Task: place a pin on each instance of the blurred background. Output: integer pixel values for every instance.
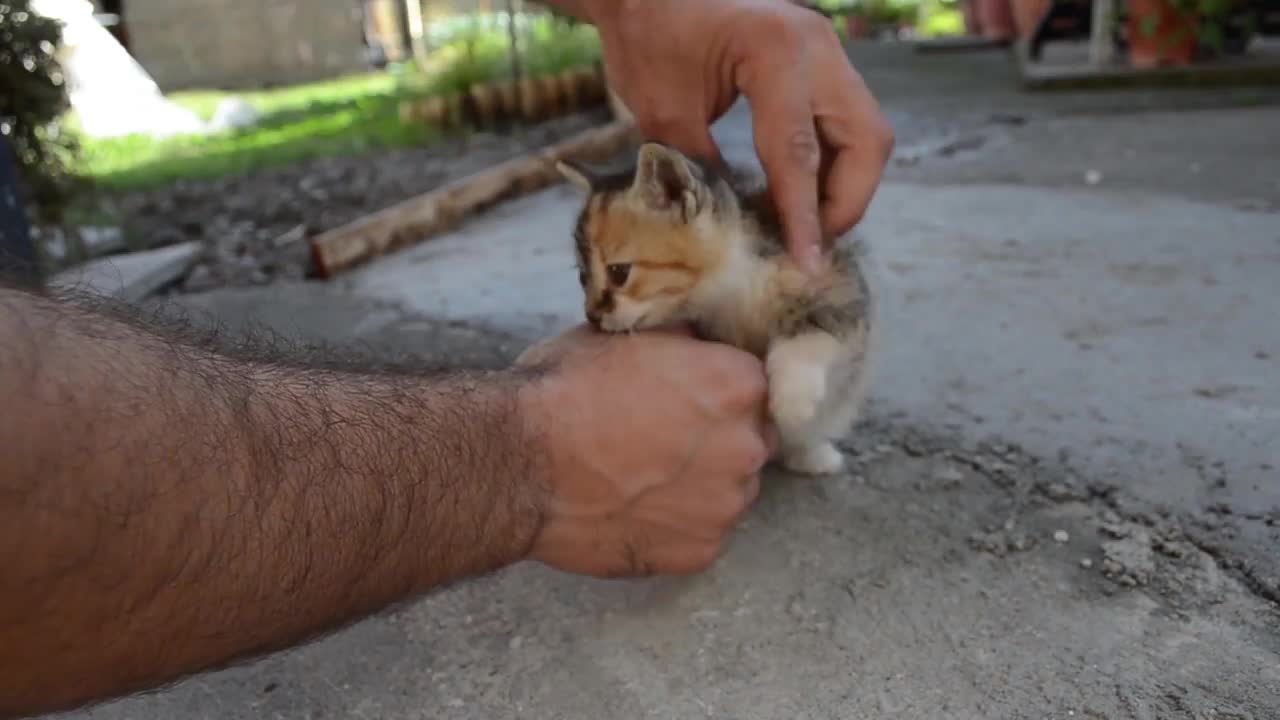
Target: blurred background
(250, 126)
(142, 123)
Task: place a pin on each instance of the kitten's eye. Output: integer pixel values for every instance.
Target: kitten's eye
(582, 278)
(618, 274)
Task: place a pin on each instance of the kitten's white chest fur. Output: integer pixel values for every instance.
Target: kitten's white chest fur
(815, 376)
(733, 303)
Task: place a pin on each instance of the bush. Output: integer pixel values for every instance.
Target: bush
(552, 45)
(476, 48)
(33, 98)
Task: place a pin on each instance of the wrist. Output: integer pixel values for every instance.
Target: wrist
(535, 398)
(507, 427)
(442, 470)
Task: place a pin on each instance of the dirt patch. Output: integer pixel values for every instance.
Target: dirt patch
(255, 226)
(1125, 546)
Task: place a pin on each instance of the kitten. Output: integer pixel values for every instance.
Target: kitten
(670, 240)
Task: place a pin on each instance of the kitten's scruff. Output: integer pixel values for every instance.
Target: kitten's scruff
(670, 240)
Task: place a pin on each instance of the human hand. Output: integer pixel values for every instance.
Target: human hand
(653, 444)
(819, 133)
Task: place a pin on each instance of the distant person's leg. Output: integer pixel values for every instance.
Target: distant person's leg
(18, 261)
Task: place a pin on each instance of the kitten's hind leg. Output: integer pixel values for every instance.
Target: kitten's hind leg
(799, 368)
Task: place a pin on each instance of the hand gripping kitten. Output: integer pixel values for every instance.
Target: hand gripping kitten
(670, 241)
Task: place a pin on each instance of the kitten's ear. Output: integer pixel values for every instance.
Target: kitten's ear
(576, 174)
(665, 180)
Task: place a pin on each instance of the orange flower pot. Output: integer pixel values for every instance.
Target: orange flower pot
(1160, 34)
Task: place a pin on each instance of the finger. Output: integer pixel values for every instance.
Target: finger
(769, 434)
(860, 140)
(676, 556)
(703, 517)
(705, 506)
(750, 492)
(733, 380)
(748, 447)
(684, 558)
(787, 143)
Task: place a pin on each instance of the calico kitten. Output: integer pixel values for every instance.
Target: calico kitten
(670, 240)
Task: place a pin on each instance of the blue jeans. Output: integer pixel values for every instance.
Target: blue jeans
(18, 261)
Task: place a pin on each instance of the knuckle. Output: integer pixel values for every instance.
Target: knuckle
(884, 137)
(756, 454)
(779, 26)
(816, 24)
(740, 379)
(803, 150)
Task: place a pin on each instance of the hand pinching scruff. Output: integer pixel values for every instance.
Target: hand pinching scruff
(673, 241)
(680, 65)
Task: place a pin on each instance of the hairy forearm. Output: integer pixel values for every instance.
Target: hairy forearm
(165, 508)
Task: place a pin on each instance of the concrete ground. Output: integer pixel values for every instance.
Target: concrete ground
(1064, 502)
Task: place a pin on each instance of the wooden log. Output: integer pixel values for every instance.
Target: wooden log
(431, 213)
(568, 81)
(434, 111)
(486, 98)
(591, 85)
(500, 103)
(455, 109)
(551, 96)
(532, 104)
(509, 92)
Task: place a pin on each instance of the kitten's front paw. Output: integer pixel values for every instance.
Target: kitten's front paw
(821, 459)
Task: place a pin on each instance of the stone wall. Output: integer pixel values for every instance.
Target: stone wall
(240, 44)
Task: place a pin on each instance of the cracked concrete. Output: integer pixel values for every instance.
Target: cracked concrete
(1063, 503)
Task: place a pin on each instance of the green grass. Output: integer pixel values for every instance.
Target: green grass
(348, 115)
(938, 19)
(341, 116)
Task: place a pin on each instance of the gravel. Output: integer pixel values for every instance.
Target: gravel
(255, 226)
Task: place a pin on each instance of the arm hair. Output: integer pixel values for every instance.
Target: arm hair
(171, 502)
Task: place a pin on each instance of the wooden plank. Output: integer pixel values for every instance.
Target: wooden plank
(443, 208)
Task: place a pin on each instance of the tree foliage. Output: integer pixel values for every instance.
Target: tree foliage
(33, 100)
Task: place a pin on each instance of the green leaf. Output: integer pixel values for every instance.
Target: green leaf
(1147, 25)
